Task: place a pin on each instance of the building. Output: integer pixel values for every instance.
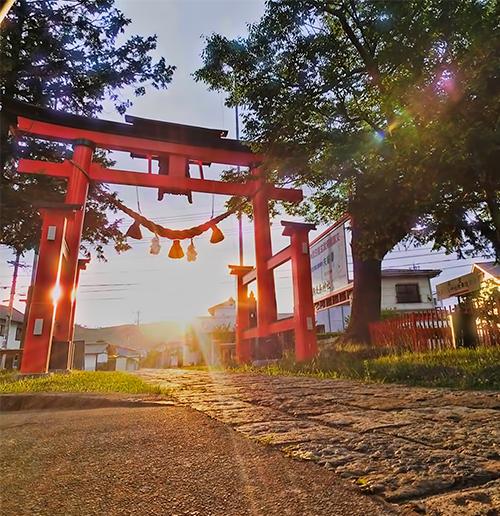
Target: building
(489, 273)
(222, 316)
(403, 290)
(10, 345)
(170, 354)
(126, 359)
(101, 356)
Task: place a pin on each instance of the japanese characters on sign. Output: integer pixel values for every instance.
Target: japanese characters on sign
(329, 263)
(459, 286)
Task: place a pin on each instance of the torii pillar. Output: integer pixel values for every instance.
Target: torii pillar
(77, 190)
(58, 267)
(267, 310)
(304, 316)
(243, 348)
(41, 318)
(78, 186)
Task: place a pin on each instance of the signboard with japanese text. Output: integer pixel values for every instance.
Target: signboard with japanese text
(329, 263)
(459, 286)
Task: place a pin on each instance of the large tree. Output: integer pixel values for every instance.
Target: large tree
(331, 90)
(70, 55)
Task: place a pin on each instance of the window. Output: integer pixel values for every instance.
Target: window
(408, 293)
(19, 332)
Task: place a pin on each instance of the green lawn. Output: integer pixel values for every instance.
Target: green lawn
(79, 381)
(458, 368)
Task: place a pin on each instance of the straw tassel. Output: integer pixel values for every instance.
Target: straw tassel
(176, 251)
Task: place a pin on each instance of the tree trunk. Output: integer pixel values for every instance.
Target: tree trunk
(366, 297)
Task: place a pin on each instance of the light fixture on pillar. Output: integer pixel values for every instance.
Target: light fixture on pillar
(176, 251)
(217, 235)
(134, 231)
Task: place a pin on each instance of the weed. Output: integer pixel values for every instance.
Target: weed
(268, 439)
(477, 368)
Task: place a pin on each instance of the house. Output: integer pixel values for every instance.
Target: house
(101, 356)
(10, 345)
(97, 356)
(222, 316)
(126, 359)
(489, 273)
(168, 354)
(403, 290)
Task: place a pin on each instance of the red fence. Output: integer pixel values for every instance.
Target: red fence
(466, 325)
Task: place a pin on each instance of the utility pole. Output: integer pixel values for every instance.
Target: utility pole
(29, 296)
(12, 296)
(240, 217)
(138, 331)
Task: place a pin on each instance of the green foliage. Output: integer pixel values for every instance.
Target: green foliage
(151, 359)
(388, 313)
(460, 137)
(192, 340)
(71, 56)
(328, 335)
(80, 381)
(223, 333)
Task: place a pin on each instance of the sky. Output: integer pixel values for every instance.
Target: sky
(136, 285)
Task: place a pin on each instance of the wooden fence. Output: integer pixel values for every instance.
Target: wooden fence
(475, 323)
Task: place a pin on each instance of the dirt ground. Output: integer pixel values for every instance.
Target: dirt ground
(138, 459)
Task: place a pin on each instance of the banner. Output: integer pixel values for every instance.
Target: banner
(329, 263)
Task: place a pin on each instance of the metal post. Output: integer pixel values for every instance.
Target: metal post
(10, 311)
(240, 216)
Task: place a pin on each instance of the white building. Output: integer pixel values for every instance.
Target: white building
(10, 345)
(101, 356)
(403, 290)
(222, 315)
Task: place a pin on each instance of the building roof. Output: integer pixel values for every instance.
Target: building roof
(96, 349)
(228, 303)
(17, 316)
(126, 352)
(489, 267)
(429, 273)
(172, 345)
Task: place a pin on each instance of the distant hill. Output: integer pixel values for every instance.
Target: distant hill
(144, 336)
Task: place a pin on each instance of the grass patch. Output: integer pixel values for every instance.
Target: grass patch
(80, 381)
(467, 369)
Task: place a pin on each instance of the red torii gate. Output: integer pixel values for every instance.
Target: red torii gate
(175, 146)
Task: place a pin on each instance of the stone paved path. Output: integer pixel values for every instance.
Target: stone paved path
(430, 451)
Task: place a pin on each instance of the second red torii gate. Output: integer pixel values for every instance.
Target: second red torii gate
(179, 144)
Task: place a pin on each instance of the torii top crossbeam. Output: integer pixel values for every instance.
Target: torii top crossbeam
(180, 143)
